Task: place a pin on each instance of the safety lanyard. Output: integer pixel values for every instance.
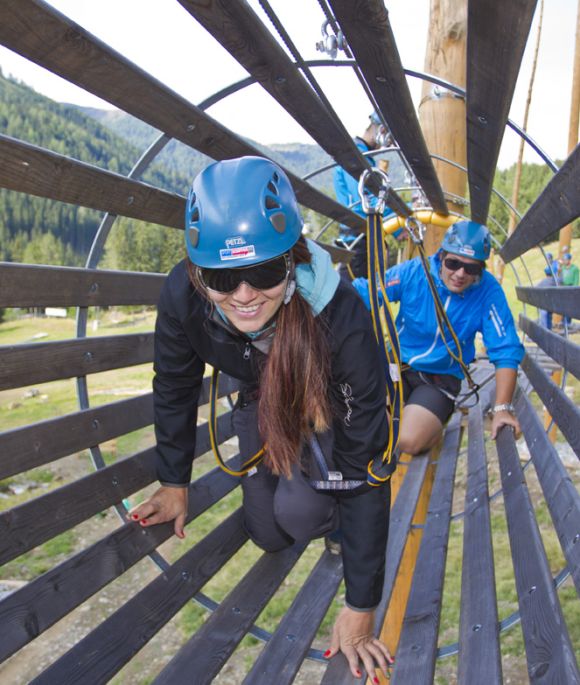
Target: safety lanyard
(443, 322)
(378, 470)
(250, 463)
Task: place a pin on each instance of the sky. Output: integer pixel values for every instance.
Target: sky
(162, 38)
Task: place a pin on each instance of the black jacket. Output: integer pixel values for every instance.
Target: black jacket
(186, 338)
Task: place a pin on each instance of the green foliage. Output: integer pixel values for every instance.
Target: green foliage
(534, 179)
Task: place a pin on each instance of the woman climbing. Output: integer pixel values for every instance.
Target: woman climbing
(473, 302)
(256, 300)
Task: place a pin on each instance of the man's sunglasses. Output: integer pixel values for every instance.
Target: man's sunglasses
(456, 264)
(260, 276)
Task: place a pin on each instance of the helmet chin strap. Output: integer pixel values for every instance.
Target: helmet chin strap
(290, 289)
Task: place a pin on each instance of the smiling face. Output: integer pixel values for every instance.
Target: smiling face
(457, 280)
(247, 308)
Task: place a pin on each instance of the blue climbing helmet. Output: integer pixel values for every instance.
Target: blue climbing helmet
(469, 239)
(240, 212)
(375, 118)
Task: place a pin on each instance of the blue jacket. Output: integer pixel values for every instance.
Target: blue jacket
(481, 308)
(346, 186)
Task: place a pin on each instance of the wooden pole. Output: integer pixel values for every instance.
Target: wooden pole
(519, 163)
(442, 117)
(441, 113)
(566, 232)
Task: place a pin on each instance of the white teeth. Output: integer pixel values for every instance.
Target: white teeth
(247, 310)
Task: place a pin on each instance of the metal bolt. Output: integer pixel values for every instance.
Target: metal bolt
(94, 288)
(482, 119)
(185, 575)
(381, 79)
(576, 538)
(532, 590)
(280, 79)
(477, 627)
(291, 638)
(96, 424)
(236, 610)
(130, 200)
(474, 499)
(88, 356)
(509, 473)
(115, 480)
(190, 127)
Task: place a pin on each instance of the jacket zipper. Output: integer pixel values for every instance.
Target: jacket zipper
(247, 351)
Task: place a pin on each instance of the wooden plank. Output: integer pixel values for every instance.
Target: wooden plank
(105, 650)
(479, 653)
(43, 35)
(30, 364)
(210, 647)
(366, 25)
(27, 285)
(30, 169)
(29, 611)
(280, 660)
(560, 407)
(34, 522)
(557, 205)
(562, 497)
(497, 33)
(400, 520)
(417, 649)
(39, 443)
(240, 31)
(549, 651)
(563, 351)
(30, 524)
(560, 299)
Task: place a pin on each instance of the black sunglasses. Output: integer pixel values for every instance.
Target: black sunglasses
(456, 264)
(260, 276)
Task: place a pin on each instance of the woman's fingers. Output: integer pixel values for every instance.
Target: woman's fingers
(166, 504)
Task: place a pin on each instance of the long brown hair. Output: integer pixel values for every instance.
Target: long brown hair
(293, 400)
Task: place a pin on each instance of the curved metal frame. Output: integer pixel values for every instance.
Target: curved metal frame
(98, 246)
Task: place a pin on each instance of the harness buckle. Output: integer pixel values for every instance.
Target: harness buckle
(415, 229)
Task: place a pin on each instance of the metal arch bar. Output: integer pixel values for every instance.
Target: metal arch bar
(244, 83)
(505, 624)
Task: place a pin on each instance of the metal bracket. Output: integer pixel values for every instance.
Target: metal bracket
(379, 208)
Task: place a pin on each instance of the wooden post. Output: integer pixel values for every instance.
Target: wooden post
(566, 232)
(441, 113)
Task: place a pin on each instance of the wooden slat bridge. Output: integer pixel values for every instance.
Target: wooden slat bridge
(469, 490)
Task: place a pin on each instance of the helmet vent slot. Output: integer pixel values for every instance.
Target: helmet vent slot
(276, 177)
(271, 203)
(279, 222)
(194, 215)
(272, 188)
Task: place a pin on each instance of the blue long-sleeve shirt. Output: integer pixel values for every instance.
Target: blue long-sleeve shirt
(480, 308)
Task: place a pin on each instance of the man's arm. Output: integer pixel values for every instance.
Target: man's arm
(505, 384)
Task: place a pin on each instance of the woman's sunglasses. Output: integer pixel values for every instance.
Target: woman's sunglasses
(260, 276)
(456, 264)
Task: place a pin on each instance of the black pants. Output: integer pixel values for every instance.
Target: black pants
(279, 511)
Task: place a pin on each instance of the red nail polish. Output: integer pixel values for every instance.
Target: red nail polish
(134, 516)
(326, 654)
(358, 674)
(144, 522)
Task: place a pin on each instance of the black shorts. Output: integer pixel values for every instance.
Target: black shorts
(432, 391)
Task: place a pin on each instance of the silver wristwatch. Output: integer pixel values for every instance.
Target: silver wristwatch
(506, 406)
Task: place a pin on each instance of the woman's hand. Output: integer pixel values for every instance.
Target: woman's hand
(165, 504)
(353, 636)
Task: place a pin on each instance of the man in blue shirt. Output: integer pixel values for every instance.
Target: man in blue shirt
(474, 302)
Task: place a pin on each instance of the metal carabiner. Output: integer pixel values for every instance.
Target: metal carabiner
(379, 208)
(415, 229)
